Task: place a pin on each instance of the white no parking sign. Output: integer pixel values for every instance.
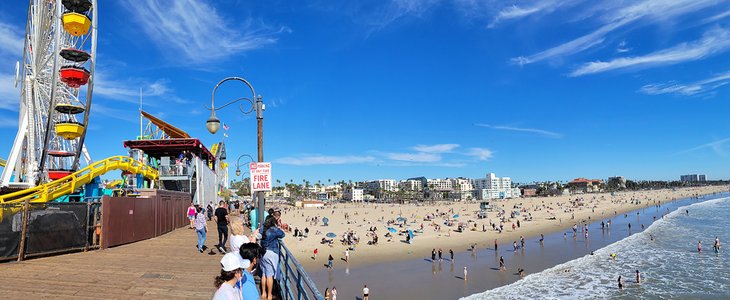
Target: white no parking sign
(260, 176)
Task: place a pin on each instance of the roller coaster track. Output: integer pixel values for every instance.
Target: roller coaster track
(3, 162)
(69, 184)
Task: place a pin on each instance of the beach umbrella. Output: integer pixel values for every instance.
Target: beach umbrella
(392, 230)
(331, 235)
(325, 220)
(401, 219)
(456, 216)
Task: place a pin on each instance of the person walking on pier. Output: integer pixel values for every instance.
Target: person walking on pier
(221, 218)
(201, 228)
(191, 214)
(365, 293)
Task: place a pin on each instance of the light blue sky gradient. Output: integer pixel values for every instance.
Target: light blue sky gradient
(355, 90)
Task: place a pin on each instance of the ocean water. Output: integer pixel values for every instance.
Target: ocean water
(670, 265)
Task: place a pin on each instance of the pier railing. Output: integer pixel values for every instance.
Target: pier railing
(294, 281)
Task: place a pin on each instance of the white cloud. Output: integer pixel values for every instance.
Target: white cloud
(414, 157)
(715, 146)
(438, 148)
(128, 90)
(195, 29)
(9, 94)
(324, 160)
(690, 89)
(542, 132)
(98, 109)
(538, 7)
(480, 153)
(397, 9)
(11, 40)
(8, 122)
(622, 47)
(617, 17)
(713, 42)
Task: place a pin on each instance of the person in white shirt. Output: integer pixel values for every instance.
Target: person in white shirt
(365, 292)
(334, 293)
(232, 266)
(237, 237)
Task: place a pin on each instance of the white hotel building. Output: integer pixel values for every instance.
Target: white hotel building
(493, 187)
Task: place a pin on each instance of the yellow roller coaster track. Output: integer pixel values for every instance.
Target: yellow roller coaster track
(3, 162)
(69, 184)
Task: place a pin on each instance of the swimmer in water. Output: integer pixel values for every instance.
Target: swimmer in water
(638, 277)
(620, 283)
(613, 256)
(699, 246)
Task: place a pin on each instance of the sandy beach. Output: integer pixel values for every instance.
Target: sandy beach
(536, 215)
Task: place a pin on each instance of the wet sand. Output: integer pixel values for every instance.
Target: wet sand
(420, 278)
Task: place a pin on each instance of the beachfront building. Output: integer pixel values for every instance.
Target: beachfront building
(616, 183)
(693, 178)
(354, 195)
(461, 189)
(493, 187)
(410, 185)
(583, 185)
(381, 188)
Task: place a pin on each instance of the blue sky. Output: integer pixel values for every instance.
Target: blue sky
(355, 90)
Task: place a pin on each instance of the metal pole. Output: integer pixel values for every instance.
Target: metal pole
(24, 230)
(260, 135)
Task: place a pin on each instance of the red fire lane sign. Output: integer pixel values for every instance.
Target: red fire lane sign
(260, 176)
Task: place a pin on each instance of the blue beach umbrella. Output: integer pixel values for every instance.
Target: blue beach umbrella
(456, 216)
(331, 235)
(401, 219)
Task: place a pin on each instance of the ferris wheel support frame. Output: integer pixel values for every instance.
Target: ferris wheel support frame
(56, 58)
(90, 88)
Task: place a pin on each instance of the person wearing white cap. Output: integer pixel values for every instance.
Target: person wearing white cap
(232, 266)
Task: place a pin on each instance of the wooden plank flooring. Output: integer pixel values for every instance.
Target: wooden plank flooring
(166, 267)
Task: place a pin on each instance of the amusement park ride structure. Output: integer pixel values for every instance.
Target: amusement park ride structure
(56, 78)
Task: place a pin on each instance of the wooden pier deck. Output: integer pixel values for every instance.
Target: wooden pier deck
(165, 267)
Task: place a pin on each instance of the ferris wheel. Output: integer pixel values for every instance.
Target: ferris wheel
(56, 83)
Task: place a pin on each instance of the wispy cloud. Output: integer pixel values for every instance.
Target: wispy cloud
(480, 153)
(622, 47)
(99, 109)
(689, 89)
(11, 49)
(324, 160)
(128, 90)
(9, 94)
(8, 122)
(438, 148)
(538, 7)
(542, 132)
(195, 29)
(712, 42)
(397, 9)
(11, 39)
(414, 157)
(648, 12)
(715, 146)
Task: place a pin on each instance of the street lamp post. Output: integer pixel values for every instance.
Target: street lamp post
(213, 124)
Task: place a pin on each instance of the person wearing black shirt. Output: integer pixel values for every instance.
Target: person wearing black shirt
(221, 218)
